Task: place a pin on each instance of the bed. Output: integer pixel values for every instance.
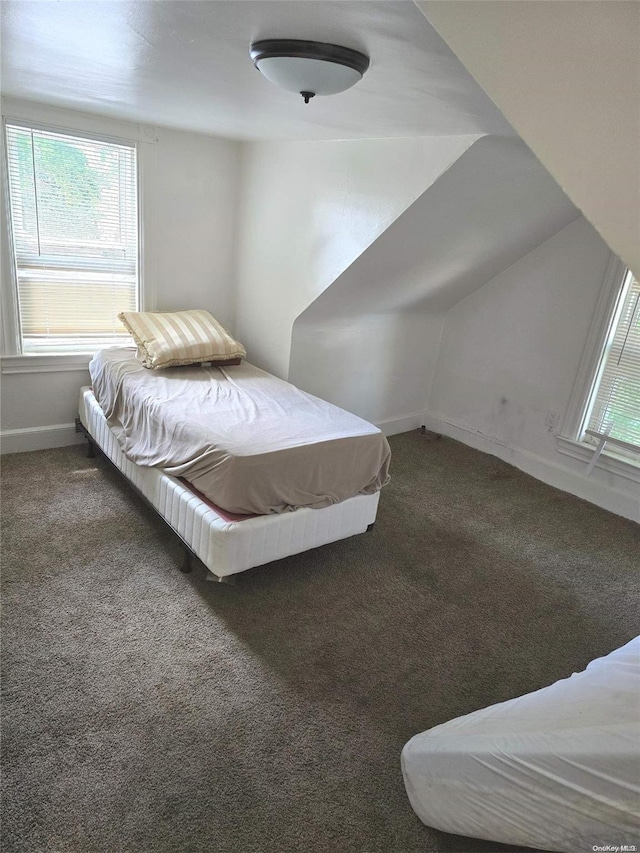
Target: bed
(245, 468)
(558, 769)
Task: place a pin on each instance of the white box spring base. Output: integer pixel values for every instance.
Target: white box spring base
(229, 547)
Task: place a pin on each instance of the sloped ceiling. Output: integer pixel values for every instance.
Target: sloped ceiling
(567, 76)
(185, 64)
(307, 211)
(495, 204)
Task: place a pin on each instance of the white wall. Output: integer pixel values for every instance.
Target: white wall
(567, 77)
(308, 210)
(190, 236)
(369, 342)
(510, 354)
(378, 366)
(188, 201)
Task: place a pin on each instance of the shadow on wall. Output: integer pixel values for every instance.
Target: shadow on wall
(377, 366)
(370, 341)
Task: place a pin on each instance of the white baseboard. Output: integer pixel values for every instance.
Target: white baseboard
(554, 474)
(403, 424)
(39, 438)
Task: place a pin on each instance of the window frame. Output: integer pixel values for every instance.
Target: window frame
(570, 440)
(14, 359)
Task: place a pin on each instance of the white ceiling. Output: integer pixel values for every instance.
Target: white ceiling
(185, 64)
(493, 206)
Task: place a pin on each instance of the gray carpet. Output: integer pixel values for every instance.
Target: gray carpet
(146, 710)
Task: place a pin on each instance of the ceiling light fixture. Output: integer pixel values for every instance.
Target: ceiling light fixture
(308, 67)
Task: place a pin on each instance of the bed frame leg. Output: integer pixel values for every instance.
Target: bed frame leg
(371, 526)
(186, 562)
(91, 451)
(229, 580)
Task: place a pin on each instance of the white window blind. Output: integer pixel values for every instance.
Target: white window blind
(614, 407)
(74, 218)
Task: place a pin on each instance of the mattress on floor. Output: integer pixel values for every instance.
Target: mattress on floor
(228, 547)
(558, 769)
(249, 441)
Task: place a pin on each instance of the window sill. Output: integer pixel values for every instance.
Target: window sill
(608, 461)
(49, 363)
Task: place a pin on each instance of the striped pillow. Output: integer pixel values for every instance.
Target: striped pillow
(180, 337)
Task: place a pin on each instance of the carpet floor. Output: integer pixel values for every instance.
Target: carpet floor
(145, 710)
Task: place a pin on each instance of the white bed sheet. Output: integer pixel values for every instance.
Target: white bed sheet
(558, 769)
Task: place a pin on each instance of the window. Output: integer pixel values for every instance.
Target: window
(74, 222)
(613, 406)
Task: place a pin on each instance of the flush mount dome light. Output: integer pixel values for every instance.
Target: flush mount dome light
(308, 67)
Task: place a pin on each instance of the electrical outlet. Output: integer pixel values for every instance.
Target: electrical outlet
(551, 421)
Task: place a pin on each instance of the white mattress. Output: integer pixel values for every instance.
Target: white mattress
(558, 769)
(229, 547)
